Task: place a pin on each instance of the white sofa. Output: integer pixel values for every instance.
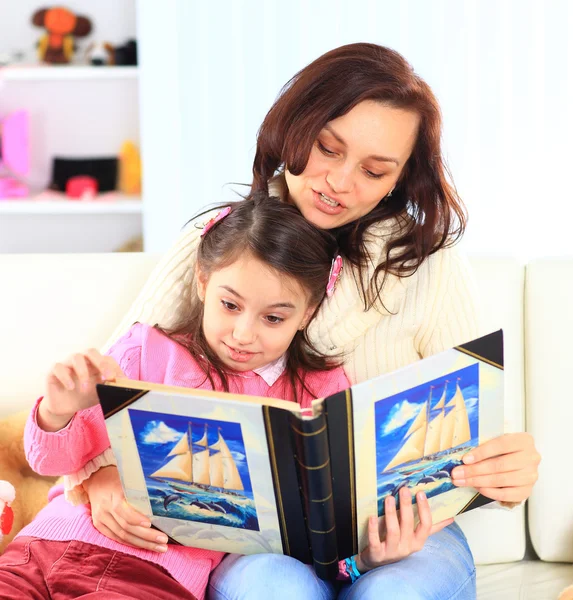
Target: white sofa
(52, 305)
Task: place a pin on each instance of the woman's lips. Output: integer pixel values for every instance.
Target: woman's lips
(324, 206)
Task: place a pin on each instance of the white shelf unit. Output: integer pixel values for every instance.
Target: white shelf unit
(75, 111)
(30, 206)
(66, 72)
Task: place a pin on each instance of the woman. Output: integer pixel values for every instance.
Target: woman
(354, 142)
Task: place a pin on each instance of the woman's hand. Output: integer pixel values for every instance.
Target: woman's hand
(115, 518)
(504, 468)
(401, 537)
(71, 386)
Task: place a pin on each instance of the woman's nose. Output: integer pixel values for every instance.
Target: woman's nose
(340, 179)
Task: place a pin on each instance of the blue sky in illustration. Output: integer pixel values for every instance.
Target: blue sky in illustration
(395, 414)
(157, 433)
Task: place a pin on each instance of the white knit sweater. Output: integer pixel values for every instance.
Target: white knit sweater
(426, 313)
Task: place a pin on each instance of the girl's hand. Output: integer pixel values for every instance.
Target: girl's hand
(504, 468)
(401, 537)
(115, 518)
(71, 386)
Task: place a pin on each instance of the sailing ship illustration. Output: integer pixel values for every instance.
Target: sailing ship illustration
(196, 467)
(436, 430)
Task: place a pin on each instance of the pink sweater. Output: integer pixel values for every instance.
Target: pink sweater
(146, 354)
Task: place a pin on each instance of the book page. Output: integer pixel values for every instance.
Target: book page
(199, 468)
(412, 427)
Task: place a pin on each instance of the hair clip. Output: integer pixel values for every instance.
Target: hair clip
(218, 217)
(334, 275)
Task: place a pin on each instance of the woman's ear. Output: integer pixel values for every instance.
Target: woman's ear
(201, 283)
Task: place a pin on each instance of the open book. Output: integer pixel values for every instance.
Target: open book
(248, 475)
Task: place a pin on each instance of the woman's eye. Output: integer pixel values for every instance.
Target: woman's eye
(373, 175)
(274, 320)
(229, 305)
(324, 149)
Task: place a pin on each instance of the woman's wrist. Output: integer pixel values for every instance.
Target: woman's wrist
(360, 565)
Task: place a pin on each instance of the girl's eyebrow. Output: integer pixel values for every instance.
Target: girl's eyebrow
(276, 305)
(372, 156)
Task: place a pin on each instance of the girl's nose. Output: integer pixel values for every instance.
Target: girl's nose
(244, 332)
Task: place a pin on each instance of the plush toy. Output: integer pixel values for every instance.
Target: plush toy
(566, 594)
(62, 26)
(100, 54)
(31, 490)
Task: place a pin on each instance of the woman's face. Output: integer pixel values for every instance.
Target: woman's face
(355, 161)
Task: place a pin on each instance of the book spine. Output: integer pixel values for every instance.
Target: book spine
(290, 511)
(338, 411)
(313, 461)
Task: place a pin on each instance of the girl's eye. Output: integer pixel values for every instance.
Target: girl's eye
(274, 320)
(229, 305)
(373, 175)
(324, 149)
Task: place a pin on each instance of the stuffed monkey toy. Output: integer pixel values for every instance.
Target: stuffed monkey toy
(62, 26)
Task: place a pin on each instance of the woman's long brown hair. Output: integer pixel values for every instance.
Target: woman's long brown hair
(428, 212)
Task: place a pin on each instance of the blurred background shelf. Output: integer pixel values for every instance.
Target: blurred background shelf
(131, 205)
(65, 72)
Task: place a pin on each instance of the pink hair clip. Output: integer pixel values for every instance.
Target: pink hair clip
(218, 217)
(334, 275)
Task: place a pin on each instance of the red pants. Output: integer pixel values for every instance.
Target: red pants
(42, 570)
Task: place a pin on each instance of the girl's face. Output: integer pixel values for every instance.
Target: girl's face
(251, 313)
(355, 161)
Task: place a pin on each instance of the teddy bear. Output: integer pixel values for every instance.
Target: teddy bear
(22, 492)
(566, 594)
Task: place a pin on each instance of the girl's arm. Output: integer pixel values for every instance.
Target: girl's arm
(56, 445)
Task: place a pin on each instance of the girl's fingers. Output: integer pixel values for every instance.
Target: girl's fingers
(61, 375)
(113, 530)
(441, 525)
(129, 517)
(406, 515)
(425, 515)
(374, 534)
(391, 523)
(82, 371)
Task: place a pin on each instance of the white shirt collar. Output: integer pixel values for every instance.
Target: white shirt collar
(271, 372)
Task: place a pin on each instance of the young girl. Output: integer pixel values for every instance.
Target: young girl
(261, 272)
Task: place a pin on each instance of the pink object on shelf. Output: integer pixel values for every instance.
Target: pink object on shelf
(82, 187)
(15, 154)
(12, 188)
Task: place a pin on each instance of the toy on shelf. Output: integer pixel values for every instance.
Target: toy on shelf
(14, 155)
(129, 169)
(100, 54)
(62, 27)
(102, 170)
(82, 187)
(126, 55)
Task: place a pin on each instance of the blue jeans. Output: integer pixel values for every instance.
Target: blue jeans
(443, 570)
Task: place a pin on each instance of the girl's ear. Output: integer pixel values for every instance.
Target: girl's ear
(201, 283)
(307, 317)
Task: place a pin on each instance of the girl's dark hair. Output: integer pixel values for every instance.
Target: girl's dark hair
(278, 235)
(429, 213)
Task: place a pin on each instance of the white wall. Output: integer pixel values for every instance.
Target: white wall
(502, 70)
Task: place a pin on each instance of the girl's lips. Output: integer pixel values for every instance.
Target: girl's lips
(322, 206)
(237, 356)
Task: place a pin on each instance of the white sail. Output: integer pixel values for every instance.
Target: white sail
(231, 477)
(180, 447)
(178, 467)
(434, 435)
(415, 440)
(203, 440)
(216, 469)
(201, 467)
(459, 414)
